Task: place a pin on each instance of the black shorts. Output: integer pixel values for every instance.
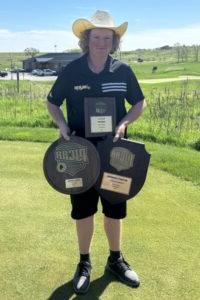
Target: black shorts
(86, 204)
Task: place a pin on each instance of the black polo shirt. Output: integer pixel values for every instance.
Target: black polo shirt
(77, 81)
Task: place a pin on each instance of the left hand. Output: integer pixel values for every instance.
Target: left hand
(119, 132)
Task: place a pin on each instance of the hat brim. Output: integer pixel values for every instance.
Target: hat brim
(80, 25)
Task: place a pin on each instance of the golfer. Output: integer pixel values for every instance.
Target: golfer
(97, 74)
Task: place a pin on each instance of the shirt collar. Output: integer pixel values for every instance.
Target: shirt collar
(109, 63)
(108, 66)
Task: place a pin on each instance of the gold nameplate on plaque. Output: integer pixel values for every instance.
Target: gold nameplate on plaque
(100, 116)
(116, 183)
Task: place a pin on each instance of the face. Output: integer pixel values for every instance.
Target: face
(100, 41)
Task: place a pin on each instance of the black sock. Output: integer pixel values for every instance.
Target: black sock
(114, 255)
(85, 257)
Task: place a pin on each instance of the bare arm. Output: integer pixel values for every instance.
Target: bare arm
(132, 115)
(59, 119)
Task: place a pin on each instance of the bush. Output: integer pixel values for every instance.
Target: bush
(196, 145)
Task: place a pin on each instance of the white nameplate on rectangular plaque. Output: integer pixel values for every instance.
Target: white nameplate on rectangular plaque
(101, 124)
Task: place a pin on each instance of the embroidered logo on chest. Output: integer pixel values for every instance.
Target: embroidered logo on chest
(114, 87)
(82, 87)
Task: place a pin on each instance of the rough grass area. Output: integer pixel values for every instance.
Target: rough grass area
(172, 114)
(38, 243)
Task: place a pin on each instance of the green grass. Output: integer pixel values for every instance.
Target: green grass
(28, 134)
(165, 70)
(156, 55)
(172, 115)
(26, 108)
(10, 60)
(38, 243)
(179, 161)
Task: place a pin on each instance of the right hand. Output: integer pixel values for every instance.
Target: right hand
(65, 132)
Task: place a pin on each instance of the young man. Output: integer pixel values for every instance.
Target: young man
(97, 74)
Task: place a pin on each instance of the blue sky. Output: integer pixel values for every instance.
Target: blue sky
(44, 24)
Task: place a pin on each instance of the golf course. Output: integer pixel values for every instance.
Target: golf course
(39, 250)
(161, 232)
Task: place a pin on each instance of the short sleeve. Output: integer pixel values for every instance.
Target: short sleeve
(134, 92)
(59, 90)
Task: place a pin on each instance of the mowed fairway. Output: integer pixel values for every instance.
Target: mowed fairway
(38, 243)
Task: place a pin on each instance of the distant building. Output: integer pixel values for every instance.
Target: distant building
(53, 61)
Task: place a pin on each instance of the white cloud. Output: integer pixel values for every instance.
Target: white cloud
(41, 39)
(46, 40)
(155, 38)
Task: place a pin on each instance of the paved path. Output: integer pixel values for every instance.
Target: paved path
(179, 78)
(27, 76)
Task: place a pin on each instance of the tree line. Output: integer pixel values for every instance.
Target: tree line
(182, 52)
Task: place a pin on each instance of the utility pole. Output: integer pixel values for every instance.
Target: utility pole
(18, 81)
(11, 64)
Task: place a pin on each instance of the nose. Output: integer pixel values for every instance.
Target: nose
(102, 42)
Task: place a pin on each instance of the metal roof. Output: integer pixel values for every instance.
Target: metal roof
(43, 59)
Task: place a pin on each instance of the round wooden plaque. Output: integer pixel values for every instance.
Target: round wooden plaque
(71, 167)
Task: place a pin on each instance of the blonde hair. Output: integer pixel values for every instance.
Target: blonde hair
(84, 41)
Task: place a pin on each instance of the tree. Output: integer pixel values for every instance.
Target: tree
(196, 49)
(182, 52)
(166, 47)
(177, 47)
(32, 52)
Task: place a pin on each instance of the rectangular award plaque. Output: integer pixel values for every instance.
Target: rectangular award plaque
(100, 116)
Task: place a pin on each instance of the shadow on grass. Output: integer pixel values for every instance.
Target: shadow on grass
(96, 289)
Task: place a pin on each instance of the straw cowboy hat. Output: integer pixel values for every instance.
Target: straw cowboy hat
(101, 19)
